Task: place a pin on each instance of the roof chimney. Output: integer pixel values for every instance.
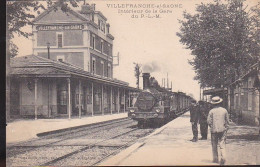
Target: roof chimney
(85, 8)
(146, 81)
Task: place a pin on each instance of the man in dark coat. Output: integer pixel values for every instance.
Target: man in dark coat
(204, 111)
(194, 118)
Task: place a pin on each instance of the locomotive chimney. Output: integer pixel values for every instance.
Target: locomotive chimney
(146, 81)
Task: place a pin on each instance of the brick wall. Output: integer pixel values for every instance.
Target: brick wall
(74, 58)
(98, 43)
(70, 38)
(73, 38)
(46, 36)
(98, 64)
(106, 48)
(27, 97)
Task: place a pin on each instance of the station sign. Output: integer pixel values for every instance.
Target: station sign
(59, 27)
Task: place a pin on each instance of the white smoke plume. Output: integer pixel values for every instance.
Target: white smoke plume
(151, 67)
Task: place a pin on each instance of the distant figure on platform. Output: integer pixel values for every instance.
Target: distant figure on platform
(259, 124)
(258, 119)
(218, 121)
(203, 113)
(194, 118)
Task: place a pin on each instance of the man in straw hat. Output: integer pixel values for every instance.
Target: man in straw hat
(218, 122)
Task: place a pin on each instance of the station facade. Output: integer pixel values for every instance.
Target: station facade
(71, 70)
(243, 97)
(81, 38)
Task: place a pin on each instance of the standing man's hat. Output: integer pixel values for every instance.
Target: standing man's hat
(216, 100)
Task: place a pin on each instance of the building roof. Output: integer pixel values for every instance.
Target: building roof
(75, 13)
(253, 69)
(36, 71)
(36, 66)
(214, 91)
(70, 11)
(73, 16)
(100, 14)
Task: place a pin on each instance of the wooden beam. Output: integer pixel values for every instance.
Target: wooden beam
(129, 98)
(124, 101)
(92, 99)
(49, 108)
(111, 100)
(69, 98)
(80, 99)
(102, 99)
(118, 100)
(35, 97)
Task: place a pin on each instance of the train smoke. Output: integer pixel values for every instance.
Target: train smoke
(151, 67)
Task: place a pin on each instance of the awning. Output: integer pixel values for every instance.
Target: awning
(215, 91)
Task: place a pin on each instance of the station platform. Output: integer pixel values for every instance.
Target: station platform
(22, 130)
(171, 145)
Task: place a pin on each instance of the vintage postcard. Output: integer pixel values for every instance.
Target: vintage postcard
(132, 82)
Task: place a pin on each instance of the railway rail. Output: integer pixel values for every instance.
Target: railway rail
(85, 148)
(82, 131)
(82, 147)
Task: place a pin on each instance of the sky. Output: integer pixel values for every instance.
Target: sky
(151, 42)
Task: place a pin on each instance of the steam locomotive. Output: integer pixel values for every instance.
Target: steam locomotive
(156, 104)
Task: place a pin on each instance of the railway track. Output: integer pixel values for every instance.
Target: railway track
(88, 155)
(84, 147)
(36, 143)
(118, 149)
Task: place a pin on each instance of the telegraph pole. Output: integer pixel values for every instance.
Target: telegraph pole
(137, 73)
(167, 81)
(200, 92)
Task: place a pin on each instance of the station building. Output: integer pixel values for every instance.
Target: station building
(243, 97)
(71, 70)
(81, 38)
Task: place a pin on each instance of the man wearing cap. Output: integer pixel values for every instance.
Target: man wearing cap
(218, 122)
(194, 118)
(203, 113)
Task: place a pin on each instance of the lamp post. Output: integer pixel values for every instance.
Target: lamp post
(48, 47)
